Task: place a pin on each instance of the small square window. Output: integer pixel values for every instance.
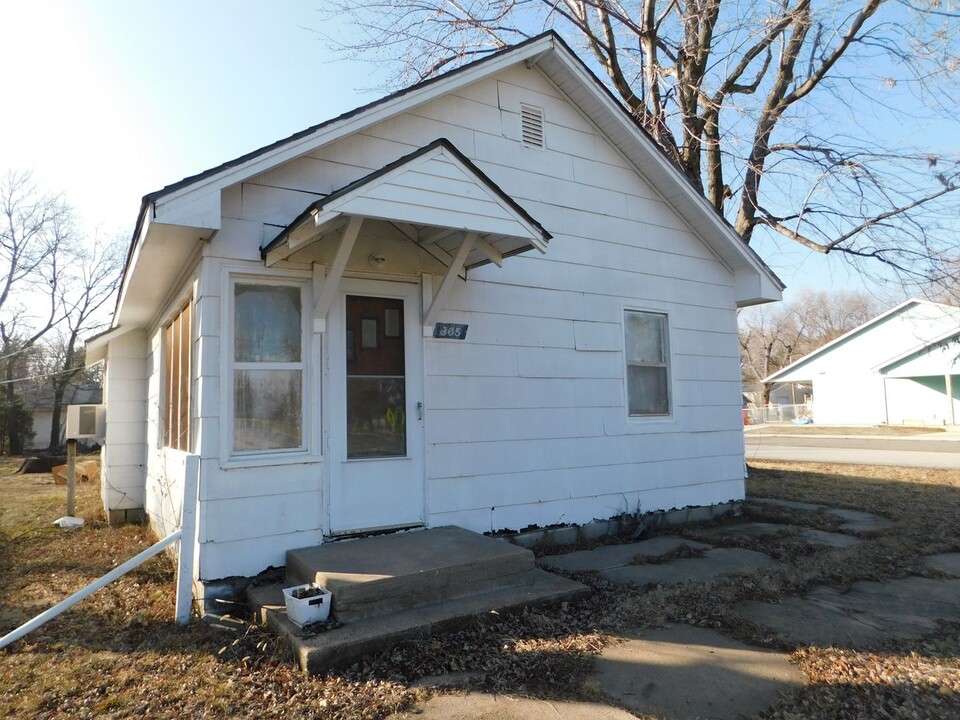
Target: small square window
(647, 353)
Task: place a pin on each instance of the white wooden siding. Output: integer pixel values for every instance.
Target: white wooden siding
(124, 452)
(525, 421)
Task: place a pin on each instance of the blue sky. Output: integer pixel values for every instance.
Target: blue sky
(107, 100)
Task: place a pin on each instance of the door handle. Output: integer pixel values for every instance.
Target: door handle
(419, 411)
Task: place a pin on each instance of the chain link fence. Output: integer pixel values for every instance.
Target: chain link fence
(777, 414)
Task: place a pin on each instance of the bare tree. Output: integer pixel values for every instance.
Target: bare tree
(779, 112)
(90, 278)
(35, 228)
(772, 337)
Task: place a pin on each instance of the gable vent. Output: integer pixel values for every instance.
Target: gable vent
(531, 121)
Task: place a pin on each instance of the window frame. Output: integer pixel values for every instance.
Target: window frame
(184, 419)
(667, 364)
(231, 457)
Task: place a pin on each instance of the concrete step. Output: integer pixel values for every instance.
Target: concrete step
(385, 574)
(356, 639)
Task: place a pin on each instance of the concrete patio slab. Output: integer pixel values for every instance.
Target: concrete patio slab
(754, 530)
(862, 615)
(683, 673)
(316, 653)
(480, 706)
(714, 563)
(948, 563)
(854, 521)
(379, 575)
(613, 556)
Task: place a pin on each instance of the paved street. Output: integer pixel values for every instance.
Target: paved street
(936, 450)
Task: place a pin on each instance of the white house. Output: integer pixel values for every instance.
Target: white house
(901, 367)
(487, 300)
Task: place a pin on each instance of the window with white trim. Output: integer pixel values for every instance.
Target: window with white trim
(268, 367)
(646, 344)
(177, 376)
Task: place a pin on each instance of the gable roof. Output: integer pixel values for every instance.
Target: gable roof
(866, 327)
(180, 201)
(437, 183)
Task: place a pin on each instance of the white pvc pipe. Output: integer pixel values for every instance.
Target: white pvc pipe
(89, 589)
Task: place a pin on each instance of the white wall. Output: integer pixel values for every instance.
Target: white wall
(125, 392)
(525, 421)
(922, 401)
(42, 424)
(848, 378)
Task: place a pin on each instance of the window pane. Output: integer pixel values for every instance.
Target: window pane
(647, 390)
(644, 338)
(177, 378)
(266, 323)
(267, 409)
(376, 420)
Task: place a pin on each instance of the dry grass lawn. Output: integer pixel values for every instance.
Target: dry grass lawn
(118, 654)
(874, 431)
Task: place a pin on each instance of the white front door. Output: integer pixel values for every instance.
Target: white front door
(375, 410)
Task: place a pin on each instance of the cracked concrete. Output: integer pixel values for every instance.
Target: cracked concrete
(683, 673)
(854, 521)
(607, 557)
(782, 533)
(862, 615)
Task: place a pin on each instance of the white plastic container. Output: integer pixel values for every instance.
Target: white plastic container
(303, 611)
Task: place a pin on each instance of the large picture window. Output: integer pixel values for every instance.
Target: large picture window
(177, 374)
(647, 351)
(268, 370)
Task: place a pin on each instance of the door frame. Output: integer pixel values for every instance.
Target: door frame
(335, 400)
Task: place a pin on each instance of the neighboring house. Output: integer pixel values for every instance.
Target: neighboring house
(791, 393)
(902, 367)
(488, 301)
(39, 400)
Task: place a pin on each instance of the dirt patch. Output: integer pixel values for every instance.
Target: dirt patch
(681, 552)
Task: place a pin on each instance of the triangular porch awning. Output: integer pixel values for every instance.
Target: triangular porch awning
(434, 195)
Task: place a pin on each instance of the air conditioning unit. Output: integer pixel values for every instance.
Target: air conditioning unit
(85, 422)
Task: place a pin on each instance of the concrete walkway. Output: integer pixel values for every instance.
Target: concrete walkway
(641, 563)
(681, 672)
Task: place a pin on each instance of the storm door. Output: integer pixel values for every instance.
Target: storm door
(376, 473)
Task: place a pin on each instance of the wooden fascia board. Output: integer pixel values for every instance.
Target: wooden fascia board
(146, 218)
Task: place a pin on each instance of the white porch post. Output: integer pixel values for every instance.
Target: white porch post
(186, 561)
(953, 414)
(329, 284)
(430, 316)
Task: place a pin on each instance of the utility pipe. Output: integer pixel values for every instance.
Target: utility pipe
(90, 589)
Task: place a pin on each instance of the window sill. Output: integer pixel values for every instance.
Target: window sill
(651, 424)
(270, 459)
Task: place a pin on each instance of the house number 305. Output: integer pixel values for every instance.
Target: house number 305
(450, 331)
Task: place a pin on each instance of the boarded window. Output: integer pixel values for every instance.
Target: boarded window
(178, 372)
(647, 352)
(268, 368)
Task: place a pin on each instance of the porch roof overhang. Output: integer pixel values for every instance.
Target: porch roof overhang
(435, 196)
